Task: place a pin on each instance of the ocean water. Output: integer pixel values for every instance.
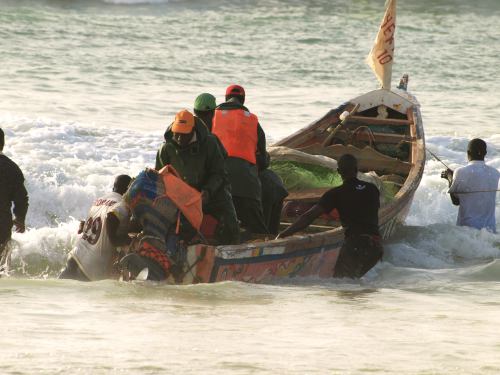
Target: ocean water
(87, 89)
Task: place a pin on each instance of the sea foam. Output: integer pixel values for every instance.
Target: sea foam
(67, 165)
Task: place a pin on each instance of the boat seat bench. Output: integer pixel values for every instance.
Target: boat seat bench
(378, 121)
(379, 137)
(309, 195)
(368, 158)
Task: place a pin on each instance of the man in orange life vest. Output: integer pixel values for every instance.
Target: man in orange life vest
(273, 189)
(245, 143)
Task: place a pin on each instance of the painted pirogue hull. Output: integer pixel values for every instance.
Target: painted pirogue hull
(311, 254)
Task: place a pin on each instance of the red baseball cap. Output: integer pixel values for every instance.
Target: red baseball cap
(235, 90)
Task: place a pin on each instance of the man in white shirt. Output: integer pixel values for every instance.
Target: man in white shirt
(473, 188)
(105, 229)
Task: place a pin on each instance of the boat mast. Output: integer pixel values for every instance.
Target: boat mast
(381, 56)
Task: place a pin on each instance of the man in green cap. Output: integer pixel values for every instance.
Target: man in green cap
(195, 154)
(204, 108)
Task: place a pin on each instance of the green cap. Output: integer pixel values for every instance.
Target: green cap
(204, 102)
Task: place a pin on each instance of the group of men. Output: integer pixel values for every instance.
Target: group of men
(220, 153)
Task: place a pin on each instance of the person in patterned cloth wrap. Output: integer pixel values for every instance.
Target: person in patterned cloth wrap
(157, 203)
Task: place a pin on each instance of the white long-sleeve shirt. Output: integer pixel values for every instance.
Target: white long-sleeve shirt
(477, 208)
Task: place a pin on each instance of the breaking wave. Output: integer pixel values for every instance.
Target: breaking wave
(67, 165)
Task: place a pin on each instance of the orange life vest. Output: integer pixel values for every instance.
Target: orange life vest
(185, 197)
(237, 130)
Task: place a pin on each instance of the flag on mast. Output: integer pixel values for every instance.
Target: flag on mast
(381, 56)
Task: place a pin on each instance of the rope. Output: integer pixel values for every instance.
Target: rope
(459, 192)
(477, 191)
(437, 158)
(190, 269)
(371, 136)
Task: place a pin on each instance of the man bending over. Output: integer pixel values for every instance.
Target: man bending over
(105, 229)
(357, 203)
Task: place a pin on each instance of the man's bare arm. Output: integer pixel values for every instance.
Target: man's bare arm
(303, 222)
(448, 175)
(112, 224)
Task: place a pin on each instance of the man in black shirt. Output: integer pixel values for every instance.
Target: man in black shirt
(12, 190)
(357, 203)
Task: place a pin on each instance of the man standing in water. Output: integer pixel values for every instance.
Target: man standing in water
(357, 203)
(12, 190)
(105, 229)
(473, 188)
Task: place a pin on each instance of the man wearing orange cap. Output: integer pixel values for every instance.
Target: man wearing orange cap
(195, 154)
(245, 143)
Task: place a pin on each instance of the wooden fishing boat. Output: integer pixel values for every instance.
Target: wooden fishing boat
(393, 147)
(383, 130)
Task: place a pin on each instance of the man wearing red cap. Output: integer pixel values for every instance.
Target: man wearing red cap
(245, 143)
(196, 156)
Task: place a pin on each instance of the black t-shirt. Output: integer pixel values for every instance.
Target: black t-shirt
(357, 203)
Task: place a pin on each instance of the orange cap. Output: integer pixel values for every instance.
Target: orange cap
(183, 123)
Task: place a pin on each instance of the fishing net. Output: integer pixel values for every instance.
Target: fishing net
(302, 176)
(389, 191)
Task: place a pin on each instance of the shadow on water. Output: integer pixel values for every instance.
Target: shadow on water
(356, 295)
(219, 294)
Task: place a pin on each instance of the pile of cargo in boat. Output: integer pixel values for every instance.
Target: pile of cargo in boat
(299, 176)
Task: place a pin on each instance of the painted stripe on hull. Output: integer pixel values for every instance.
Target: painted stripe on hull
(273, 262)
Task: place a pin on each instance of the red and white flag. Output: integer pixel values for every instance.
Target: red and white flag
(382, 54)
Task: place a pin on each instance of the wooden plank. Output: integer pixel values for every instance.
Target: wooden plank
(316, 226)
(368, 158)
(309, 132)
(317, 128)
(379, 137)
(377, 121)
(309, 195)
(413, 134)
(319, 224)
